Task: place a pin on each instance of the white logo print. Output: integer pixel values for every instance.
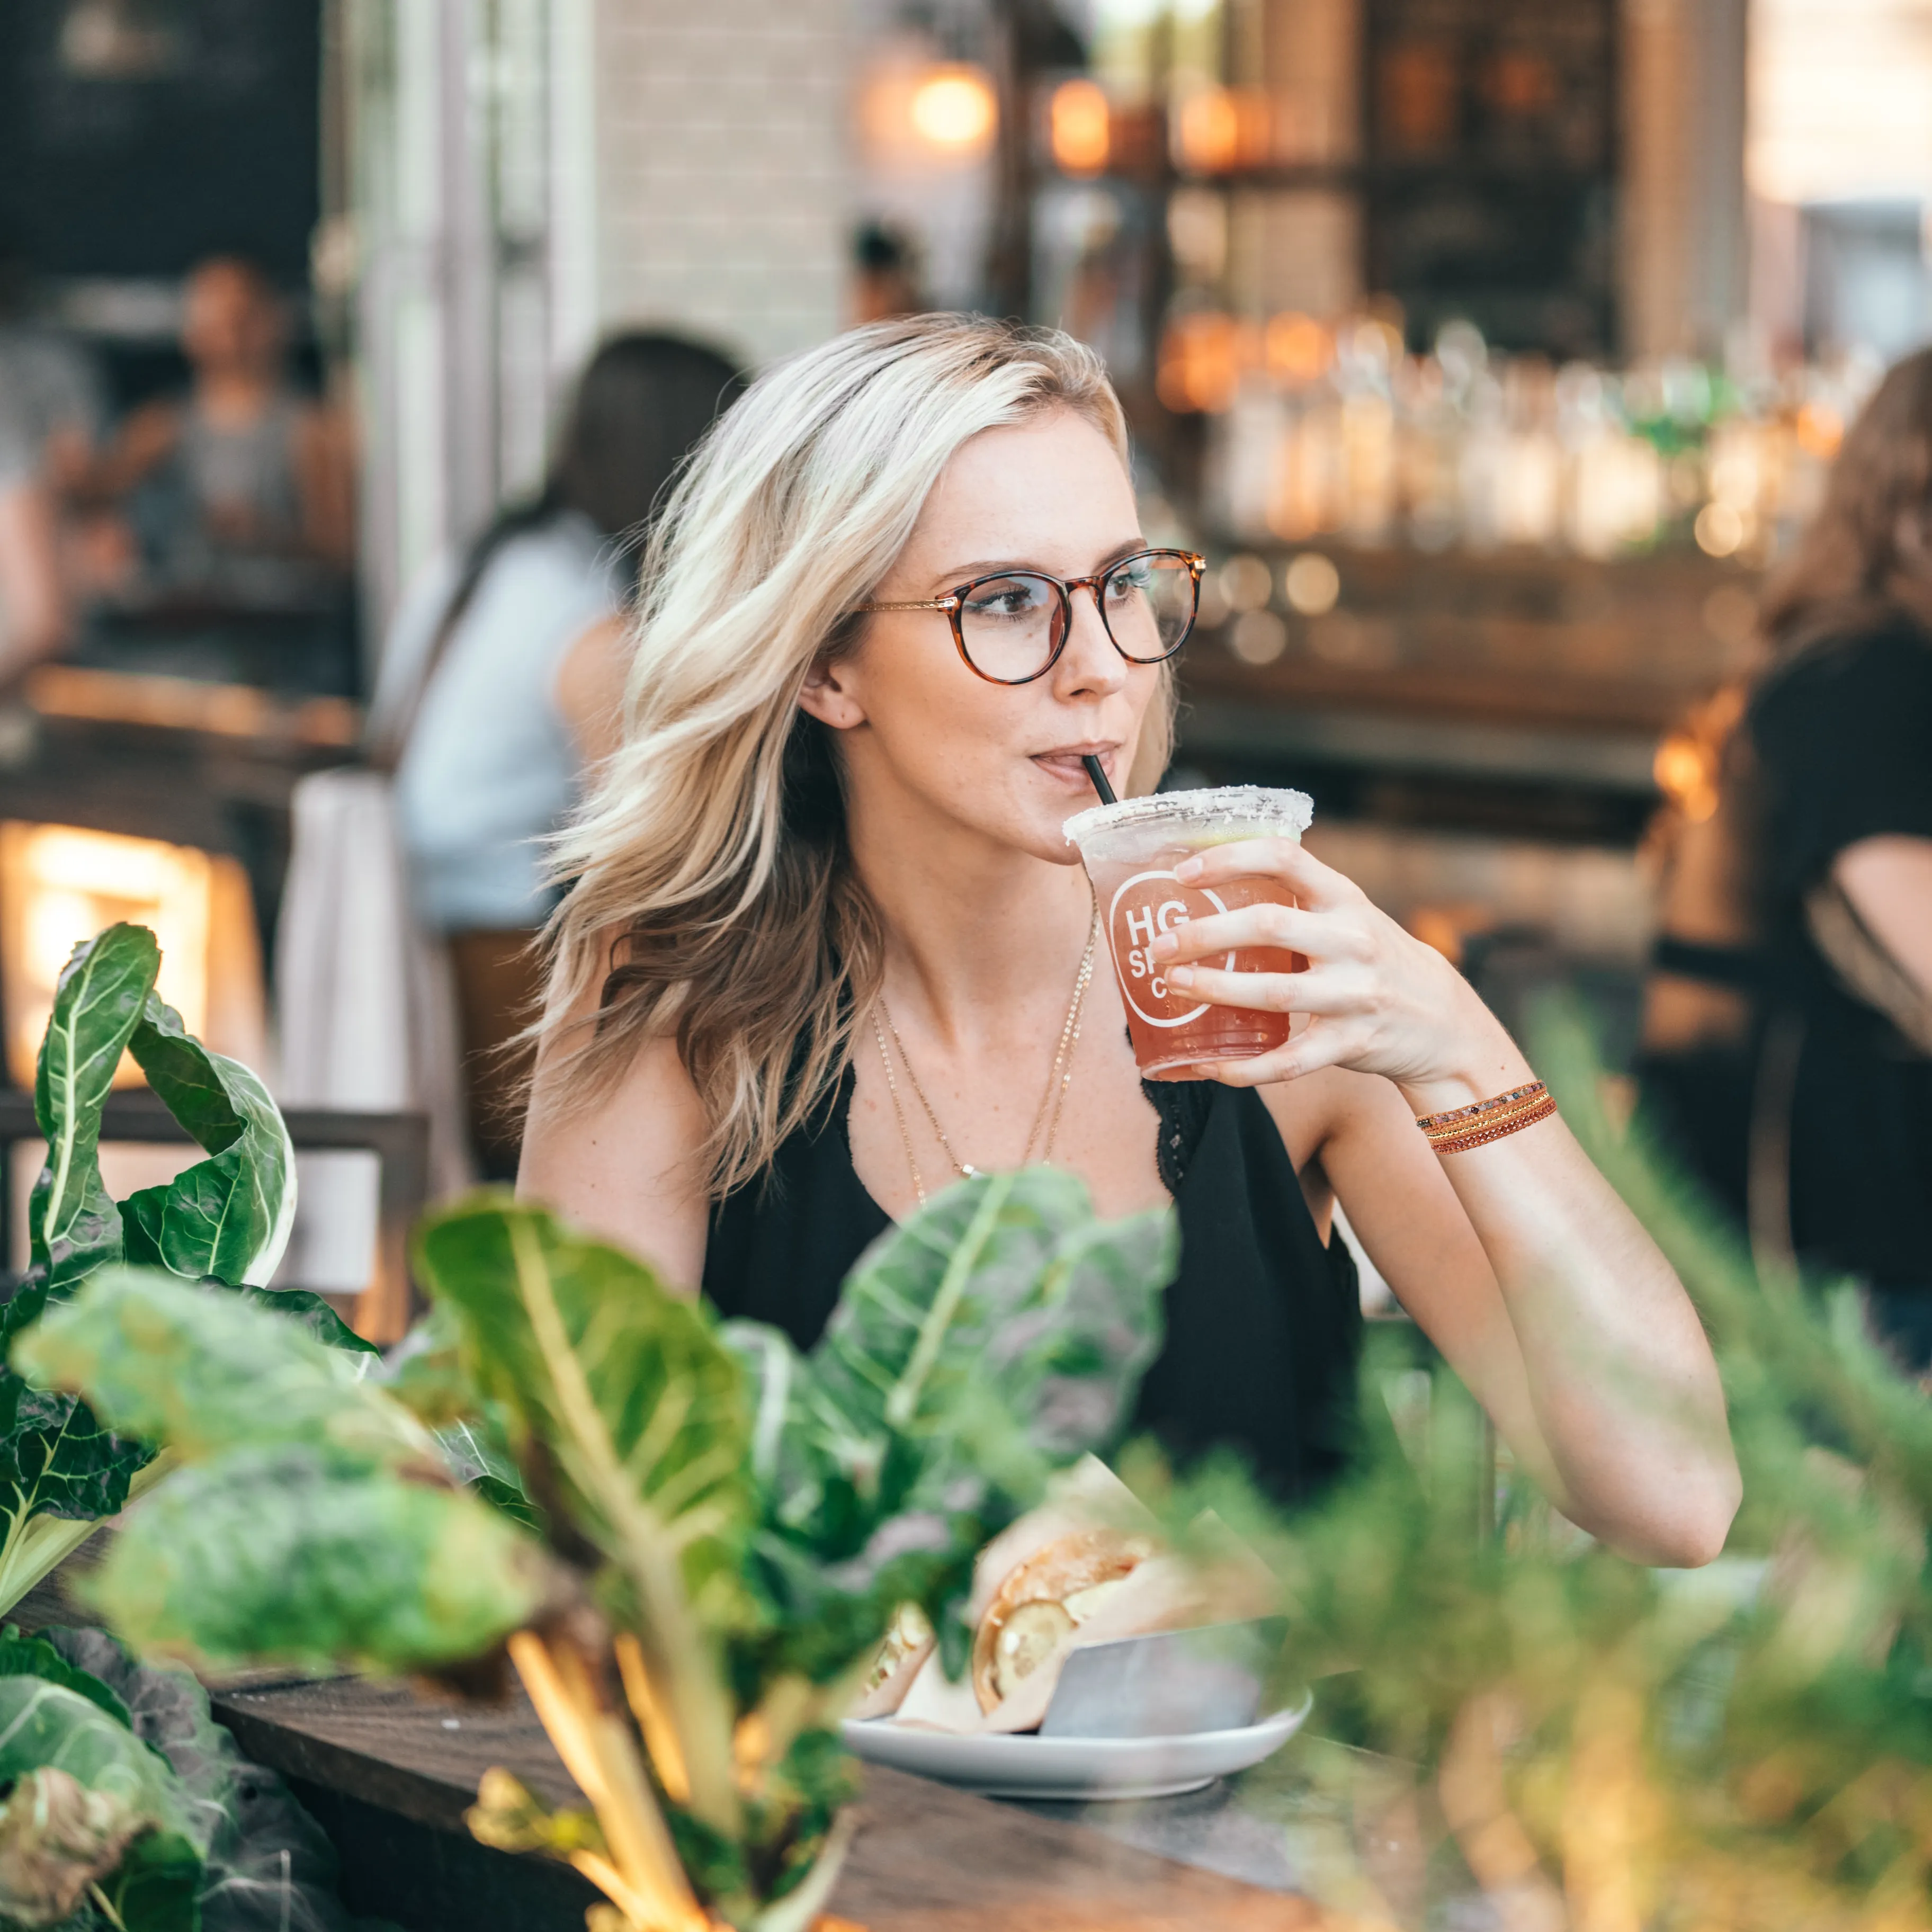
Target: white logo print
(1134, 962)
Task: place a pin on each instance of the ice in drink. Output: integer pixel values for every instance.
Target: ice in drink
(1130, 850)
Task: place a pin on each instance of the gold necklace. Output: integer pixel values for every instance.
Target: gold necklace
(1058, 1079)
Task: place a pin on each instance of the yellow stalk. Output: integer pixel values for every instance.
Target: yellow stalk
(660, 1737)
(700, 1708)
(598, 1751)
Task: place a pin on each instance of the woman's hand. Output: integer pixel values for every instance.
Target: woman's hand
(1379, 1000)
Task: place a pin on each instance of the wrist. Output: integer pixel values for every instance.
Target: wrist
(1482, 1063)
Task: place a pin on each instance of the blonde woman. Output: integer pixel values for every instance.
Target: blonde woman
(827, 948)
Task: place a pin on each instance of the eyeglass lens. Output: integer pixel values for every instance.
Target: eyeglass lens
(1012, 626)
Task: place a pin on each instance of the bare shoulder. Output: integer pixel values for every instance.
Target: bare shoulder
(589, 687)
(622, 1161)
(1327, 1104)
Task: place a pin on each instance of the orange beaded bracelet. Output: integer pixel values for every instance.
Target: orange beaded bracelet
(1482, 1121)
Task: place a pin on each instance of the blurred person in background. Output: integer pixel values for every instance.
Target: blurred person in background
(34, 605)
(51, 386)
(50, 417)
(1788, 1025)
(241, 493)
(885, 275)
(502, 682)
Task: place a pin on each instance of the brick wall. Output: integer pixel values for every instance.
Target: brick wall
(723, 202)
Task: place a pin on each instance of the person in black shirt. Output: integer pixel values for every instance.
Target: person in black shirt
(1790, 1023)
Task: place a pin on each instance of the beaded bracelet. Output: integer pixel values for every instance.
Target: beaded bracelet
(1462, 1128)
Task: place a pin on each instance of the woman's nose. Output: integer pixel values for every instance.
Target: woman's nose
(1090, 662)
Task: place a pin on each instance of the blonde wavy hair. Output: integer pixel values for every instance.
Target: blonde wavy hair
(713, 896)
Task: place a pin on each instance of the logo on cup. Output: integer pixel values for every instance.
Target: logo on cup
(1144, 907)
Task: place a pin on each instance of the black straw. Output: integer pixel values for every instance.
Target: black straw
(1097, 771)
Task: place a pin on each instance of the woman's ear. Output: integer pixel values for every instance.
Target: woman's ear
(828, 694)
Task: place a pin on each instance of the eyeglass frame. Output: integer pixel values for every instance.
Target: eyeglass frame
(953, 603)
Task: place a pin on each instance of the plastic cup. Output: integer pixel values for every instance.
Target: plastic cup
(1130, 850)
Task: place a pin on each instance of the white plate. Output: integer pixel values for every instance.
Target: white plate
(1036, 1767)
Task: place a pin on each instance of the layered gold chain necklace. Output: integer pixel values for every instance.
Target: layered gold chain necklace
(1058, 1079)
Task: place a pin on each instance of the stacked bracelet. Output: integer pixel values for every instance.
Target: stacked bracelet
(1462, 1128)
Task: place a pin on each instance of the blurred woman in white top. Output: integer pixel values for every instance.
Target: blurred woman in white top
(492, 695)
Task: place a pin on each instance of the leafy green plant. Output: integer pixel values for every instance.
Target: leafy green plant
(124, 1805)
(1520, 1714)
(709, 1532)
(226, 1218)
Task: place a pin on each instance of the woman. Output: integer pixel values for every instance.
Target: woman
(1788, 1025)
(491, 706)
(245, 489)
(826, 933)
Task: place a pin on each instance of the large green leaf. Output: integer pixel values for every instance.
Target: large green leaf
(283, 1555)
(204, 1370)
(613, 1390)
(1001, 1326)
(268, 1867)
(228, 1216)
(73, 1226)
(315, 1524)
(1006, 1281)
(999, 1334)
(48, 1726)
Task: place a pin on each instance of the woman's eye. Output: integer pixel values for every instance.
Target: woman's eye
(1003, 600)
(1133, 581)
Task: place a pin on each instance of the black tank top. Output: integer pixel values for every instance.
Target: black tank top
(1264, 1322)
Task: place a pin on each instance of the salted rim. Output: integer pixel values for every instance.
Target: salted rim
(1282, 811)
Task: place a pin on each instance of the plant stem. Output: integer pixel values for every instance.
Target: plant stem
(701, 1709)
(598, 1751)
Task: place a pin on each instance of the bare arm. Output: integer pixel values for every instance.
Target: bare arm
(325, 480)
(146, 440)
(622, 1167)
(590, 688)
(1889, 881)
(33, 612)
(1519, 1259)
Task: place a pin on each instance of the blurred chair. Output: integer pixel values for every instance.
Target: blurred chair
(399, 1141)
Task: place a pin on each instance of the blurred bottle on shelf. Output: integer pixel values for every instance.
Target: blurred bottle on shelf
(1333, 429)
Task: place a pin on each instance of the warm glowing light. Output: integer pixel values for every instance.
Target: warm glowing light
(1312, 584)
(1080, 123)
(1298, 348)
(1203, 356)
(1257, 637)
(1682, 770)
(1720, 529)
(1220, 128)
(60, 885)
(953, 109)
(1245, 582)
(1820, 430)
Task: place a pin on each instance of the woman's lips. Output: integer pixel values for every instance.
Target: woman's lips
(1067, 764)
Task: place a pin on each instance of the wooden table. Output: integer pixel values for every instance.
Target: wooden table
(388, 1771)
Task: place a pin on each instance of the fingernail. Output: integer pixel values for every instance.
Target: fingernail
(1188, 868)
(1179, 976)
(1164, 945)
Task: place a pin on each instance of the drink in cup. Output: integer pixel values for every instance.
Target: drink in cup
(1130, 850)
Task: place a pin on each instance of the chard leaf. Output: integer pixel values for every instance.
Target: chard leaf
(57, 1838)
(269, 1867)
(999, 1334)
(285, 1556)
(1006, 1281)
(203, 1369)
(73, 1224)
(228, 1216)
(91, 1805)
(616, 1391)
(311, 1312)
